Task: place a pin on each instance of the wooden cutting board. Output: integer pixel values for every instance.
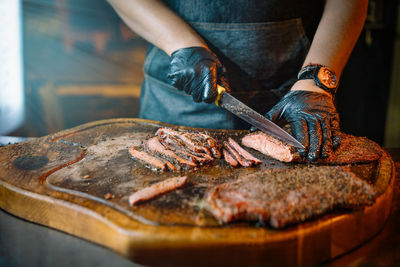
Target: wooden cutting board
(78, 181)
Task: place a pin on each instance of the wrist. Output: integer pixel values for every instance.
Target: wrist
(308, 85)
(184, 44)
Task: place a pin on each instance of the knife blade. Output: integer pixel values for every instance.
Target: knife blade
(236, 107)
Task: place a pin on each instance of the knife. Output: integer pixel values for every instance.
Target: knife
(230, 103)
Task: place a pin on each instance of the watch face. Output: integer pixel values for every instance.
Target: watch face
(327, 78)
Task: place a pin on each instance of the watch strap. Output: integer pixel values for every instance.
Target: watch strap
(311, 72)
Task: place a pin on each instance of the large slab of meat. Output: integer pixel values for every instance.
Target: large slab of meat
(351, 150)
(282, 197)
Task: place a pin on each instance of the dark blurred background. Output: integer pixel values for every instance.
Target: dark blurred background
(81, 63)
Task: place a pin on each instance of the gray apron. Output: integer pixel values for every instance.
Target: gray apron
(262, 44)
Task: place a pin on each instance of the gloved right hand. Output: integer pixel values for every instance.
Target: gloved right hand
(313, 119)
(197, 71)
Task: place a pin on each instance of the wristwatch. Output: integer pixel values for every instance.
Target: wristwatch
(324, 77)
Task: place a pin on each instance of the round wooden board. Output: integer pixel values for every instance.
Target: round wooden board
(22, 194)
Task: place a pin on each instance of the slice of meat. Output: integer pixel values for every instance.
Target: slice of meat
(216, 152)
(243, 152)
(149, 159)
(157, 189)
(205, 140)
(199, 158)
(271, 146)
(244, 162)
(191, 144)
(202, 159)
(288, 196)
(214, 145)
(228, 158)
(175, 144)
(154, 145)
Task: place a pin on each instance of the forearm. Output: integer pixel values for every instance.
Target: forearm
(337, 33)
(153, 21)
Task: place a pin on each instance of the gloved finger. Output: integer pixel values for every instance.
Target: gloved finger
(336, 134)
(209, 85)
(175, 79)
(326, 148)
(300, 132)
(209, 93)
(201, 86)
(315, 137)
(193, 89)
(275, 112)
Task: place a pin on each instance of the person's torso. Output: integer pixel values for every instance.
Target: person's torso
(262, 44)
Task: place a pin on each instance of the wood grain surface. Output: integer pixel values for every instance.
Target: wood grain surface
(78, 181)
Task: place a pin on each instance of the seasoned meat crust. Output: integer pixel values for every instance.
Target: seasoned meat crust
(353, 149)
(283, 197)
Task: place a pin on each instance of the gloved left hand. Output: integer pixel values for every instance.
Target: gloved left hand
(197, 71)
(313, 119)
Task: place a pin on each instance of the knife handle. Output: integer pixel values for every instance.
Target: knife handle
(220, 90)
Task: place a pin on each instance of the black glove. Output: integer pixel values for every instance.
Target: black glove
(197, 71)
(313, 120)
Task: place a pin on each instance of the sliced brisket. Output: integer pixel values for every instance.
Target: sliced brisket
(270, 146)
(200, 158)
(214, 145)
(196, 142)
(152, 161)
(229, 158)
(243, 152)
(157, 189)
(189, 141)
(154, 145)
(244, 162)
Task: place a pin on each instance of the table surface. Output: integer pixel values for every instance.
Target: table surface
(23, 243)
